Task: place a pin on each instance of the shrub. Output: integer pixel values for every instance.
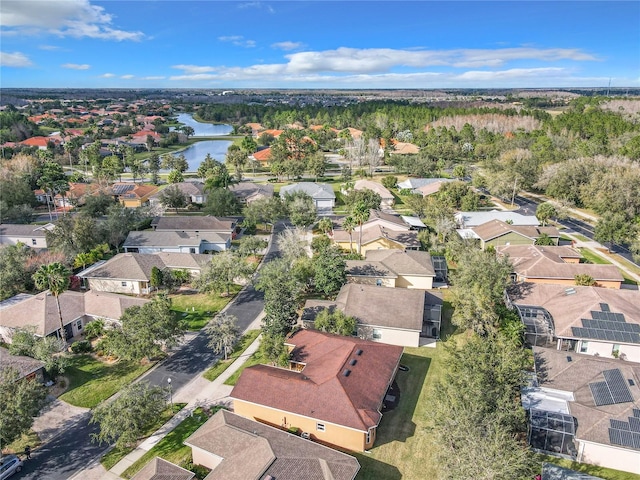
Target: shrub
(82, 346)
(94, 329)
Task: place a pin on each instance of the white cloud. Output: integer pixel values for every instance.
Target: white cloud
(73, 18)
(49, 48)
(107, 75)
(256, 5)
(153, 77)
(238, 40)
(76, 66)
(15, 59)
(127, 77)
(287, 45)
(191, 69)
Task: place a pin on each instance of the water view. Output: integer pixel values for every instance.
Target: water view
(204, 129)
(196, 153)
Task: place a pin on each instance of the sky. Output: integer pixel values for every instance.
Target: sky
(356, 44)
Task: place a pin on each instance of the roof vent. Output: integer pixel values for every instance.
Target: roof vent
(631, 382)
(353, 362)
(569, 359)
(569, 291)
(359, 352)
(346, 372)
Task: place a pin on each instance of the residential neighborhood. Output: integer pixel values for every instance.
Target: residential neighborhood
(322, 300)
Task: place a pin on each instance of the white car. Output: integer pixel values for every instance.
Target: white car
(9, 464)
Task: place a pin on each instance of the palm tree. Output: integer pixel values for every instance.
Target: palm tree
(360, 214)
(349, 225)
(55, 278)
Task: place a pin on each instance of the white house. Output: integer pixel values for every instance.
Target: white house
(322, 193)
(33, 236)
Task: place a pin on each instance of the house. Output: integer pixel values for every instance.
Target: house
(247, 192)
(131, 272)
(423, 186)
(76, 195)
(334, 389)
(263, 156)
(33, 236)
(474, 219)
(404, 148)
(177, 242)
(387, 197)
(41, 312)
(26, 367)
(591, 320)
(321, 193)
(160, 469)
(497, 232)
(236, 448)
(556, 264)
(196, 225)
(388, 315)
(133, 195)
(193, 191)
(42, 143)
(380, 231)
(393, 268)
(585, 407)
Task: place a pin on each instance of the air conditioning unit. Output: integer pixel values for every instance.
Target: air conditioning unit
(306, 435)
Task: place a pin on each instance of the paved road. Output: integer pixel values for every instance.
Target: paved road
(528, 206)
(72, 451)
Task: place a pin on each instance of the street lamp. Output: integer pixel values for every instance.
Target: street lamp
(170, 393)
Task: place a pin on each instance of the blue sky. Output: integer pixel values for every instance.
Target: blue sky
(325, 44)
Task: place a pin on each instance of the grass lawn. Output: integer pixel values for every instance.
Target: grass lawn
(17, 446)
(116, 454)
(221, 365)
(171, 447)
(254, 359)
(91, 381)
(580, 237)
(593, 258)
(596, 471)
(198, 308)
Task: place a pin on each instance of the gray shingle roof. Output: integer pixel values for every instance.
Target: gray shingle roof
(138, 266)
(252, 450)
(23, 365)
(317, 191)
(191, 223)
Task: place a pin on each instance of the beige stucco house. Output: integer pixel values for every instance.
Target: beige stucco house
(393, 268)
(496, 232)
(33, 236)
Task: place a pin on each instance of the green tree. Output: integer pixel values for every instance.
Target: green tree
(49, 350)
(156, 278)
(97, 205)
(585, 280)
(273, 350)
(238, 159)
(145, 330)
(221, 272)
(112, 167)
(72, 235)
(545, 212)
(335, 321)
(329, 271)
(614, 228)
(175, 176)
(544, 240)
(20, 402)
(248, 145)
(55, 278)
(14, 276)
(221, 202)
(154, 167)
(292, 245)
(250, 245)
(281, 295)
(390, 181)
(349, 225)
(325, 225)
(302, 209)
(478, 287)
(119, 222)
(368, 198)
(360, 213)
(223, 333)
(173, 197)
(129, 416)
(53, 181)
(317, 165)
(217, 176)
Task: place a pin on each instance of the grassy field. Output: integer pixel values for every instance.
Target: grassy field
(17, 446)
(593, 258)
(116, 454)
(254, 359)
(91, 381)
(171, 447)
(221, 365)
(198, 308)
(596, 471)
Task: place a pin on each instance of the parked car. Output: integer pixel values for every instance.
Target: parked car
(9, 464)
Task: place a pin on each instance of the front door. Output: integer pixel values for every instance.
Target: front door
(68, 330)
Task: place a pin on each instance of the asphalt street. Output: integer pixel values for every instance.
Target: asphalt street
(72, 450)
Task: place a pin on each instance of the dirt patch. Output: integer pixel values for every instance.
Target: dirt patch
(58, 388)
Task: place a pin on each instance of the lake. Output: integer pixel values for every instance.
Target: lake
(196, 153)
(204, 129)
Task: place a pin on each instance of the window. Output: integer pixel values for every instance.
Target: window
(192, 250)
(367, 439)
(584, 346)
(377, 334)
(320, 427)
(615, 351)
(124, 284)
(34, 241)
(79, 324)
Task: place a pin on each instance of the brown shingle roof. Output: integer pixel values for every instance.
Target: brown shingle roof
(497, 228)
(555, 372)
(533, 261)
(138, 266)
(252, 450)
(320, 390)
(410, 262)
(191, 223)
(568, 310)
(23, 365)
(160, 469)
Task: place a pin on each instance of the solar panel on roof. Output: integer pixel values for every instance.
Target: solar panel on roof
(624, 438)
(601, 393)
(604, 307)
(619, 424)
(618, 386)
(636, 412)
(634, 424)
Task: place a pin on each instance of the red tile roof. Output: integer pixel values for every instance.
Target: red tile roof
(36, 141)
(263, 155)
(321, 390)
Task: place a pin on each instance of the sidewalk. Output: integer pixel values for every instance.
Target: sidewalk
(199, 392)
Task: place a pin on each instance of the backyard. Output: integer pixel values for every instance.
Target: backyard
(197, 309)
